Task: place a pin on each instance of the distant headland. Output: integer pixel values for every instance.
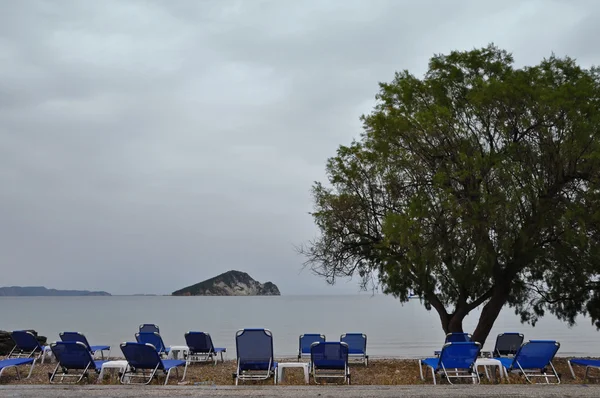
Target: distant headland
(230, 283)
(32, 291)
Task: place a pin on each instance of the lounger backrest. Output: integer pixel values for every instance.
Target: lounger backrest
(307, 339)
(199, 342)
(72, 354)
(151, 338)
(74, 336)
(331, 354)
(507, 344)
(141, 356)
(357, 342)
(149, 328)
(457, 337)
(254, 345)
(536, 354)
(461, 355)
(25, 340)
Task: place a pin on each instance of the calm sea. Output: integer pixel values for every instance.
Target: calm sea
(393, 330)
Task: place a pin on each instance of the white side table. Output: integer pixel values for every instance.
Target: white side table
(176, 349)
(485, 362)
(283, 365)
(121, 365)
(47, 352)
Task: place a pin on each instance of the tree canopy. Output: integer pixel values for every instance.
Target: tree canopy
(477, 184)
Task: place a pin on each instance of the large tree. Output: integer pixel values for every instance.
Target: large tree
(477, 184)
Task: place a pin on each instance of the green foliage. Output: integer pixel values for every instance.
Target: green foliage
(477, 182)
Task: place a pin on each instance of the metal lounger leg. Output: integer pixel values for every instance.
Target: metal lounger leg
(571, 369)
(421, 370)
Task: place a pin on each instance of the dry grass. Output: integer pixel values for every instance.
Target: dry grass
(379, 372)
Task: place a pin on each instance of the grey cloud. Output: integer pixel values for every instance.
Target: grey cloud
(148, 144)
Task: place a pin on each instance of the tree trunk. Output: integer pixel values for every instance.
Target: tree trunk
(488, 316)
(452, 323)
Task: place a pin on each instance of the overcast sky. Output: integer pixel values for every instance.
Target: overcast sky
(149, 145)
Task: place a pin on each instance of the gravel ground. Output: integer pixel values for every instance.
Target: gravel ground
(580, 391)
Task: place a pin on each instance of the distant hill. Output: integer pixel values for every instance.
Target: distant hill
(230, 283)
(42, 291)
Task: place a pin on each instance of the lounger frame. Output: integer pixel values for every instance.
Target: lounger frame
(16, 366)
(587, 370)
(131, 373)
(255, 374)
(470, 373)
(77, 377)
(530, 373)
(363, 357)
(330, 373)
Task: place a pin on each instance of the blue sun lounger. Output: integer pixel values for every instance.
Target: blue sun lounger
(305, 341)
(76, 336)
(201, 349)
(73, 355)
(144, 357)
(456, 360)
(588, 363)
(15, 363)
(155, 340)
(357, 345)
(329, 360)
(26, 345)
(533, 359)
(255, 360)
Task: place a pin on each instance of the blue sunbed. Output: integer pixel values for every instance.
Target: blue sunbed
(533, 359)
(588, 363)
(73, 355)
(154, 339)
(357, 345)
(26, 345)
(144, 357)
(201, 349)
(15, 363)
(255, 360)
(306, 340)
(329, 360)
(459, 358)
(76, 336)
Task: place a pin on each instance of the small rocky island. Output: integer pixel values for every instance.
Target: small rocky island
(29, 291)
(230, 283)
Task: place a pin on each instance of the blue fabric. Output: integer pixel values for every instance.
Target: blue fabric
(152, 338)
(357, 342)
(95, 348)
(72, 355)
(25, 340)
(5, 363)
(172, 363)
(141, 356)
(149, 328)
(254, 345)
(431, 362)
(507, 344)
(586, 362)
(254, 365)
(535, 354)
(455, 355)
(306, 340)
(329, 355)
(219, 349)
(199, 342)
